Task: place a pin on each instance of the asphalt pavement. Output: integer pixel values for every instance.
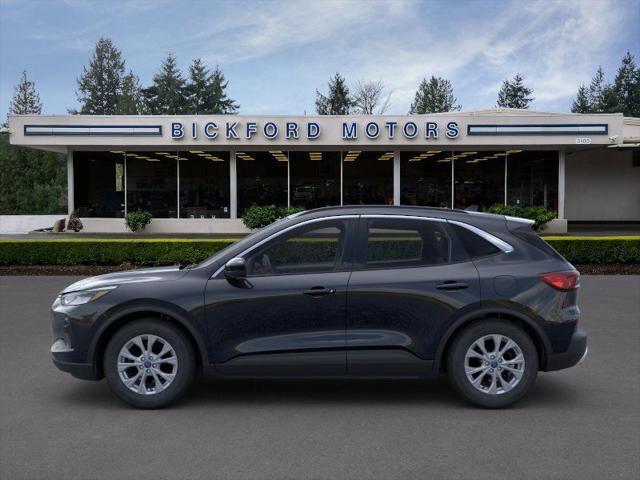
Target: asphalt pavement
(579, 423)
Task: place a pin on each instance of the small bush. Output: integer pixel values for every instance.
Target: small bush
(259, 217)
(74, 223)
(540, 215)
(137, 220)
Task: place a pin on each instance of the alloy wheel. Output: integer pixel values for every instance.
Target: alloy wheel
(494, 364)
(147, 364)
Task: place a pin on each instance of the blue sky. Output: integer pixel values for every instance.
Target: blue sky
(276, 53)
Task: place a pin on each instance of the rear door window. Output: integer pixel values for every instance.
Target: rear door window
(475, 245)
(395, 242)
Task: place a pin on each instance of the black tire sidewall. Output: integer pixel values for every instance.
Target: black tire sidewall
(456, 362)
(180, 344)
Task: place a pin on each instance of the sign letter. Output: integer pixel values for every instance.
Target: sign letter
(177, 130)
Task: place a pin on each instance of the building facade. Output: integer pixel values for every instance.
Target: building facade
(201, 173)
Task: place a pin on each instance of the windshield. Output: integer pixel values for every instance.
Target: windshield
(247, 241)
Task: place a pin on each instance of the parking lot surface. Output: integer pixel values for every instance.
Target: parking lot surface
(579, 423)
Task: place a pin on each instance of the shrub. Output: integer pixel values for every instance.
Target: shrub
(540, 215)
(74, 223)
(137, 220)
(259, 217)
(597, 250)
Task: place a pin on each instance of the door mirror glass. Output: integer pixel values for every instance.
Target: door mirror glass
(235, 269)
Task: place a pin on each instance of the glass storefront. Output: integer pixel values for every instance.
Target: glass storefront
(262, 179)
(478, 179)
(99, 184)
(204, 184)
(196, 184)
(532, 178)
(314, 179)
(367, 178)
(425, 178)
(152, 183)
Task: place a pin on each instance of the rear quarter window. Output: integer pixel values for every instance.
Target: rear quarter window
(475, 245)
(527, 235)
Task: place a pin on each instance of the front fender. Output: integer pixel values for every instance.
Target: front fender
(152, 307)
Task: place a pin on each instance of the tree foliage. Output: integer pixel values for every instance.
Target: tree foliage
(25, 99)
(433, 96)
(31, 181)
(623, 95)
(100, 85)
(206, 91)
(167, 95)
(131, 100)
(338, 100)
(514, 93)
(371, 98)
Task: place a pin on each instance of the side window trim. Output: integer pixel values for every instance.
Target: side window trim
(492, 239)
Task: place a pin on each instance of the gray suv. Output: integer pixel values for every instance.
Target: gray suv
(354, 291)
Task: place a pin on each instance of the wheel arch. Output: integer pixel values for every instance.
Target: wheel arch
(529, 325)
(142, 309)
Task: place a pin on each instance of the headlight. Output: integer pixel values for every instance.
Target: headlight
(84, 296)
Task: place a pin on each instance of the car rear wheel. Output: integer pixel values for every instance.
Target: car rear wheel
(492, 363)
(149, 363)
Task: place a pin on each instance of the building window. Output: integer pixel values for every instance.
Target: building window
(532, 178)
(99, 184)
(478, 179)
(314, 179)
(367, 178)
(204, 184)
(152, 183)
(425, 178)
(262, 179)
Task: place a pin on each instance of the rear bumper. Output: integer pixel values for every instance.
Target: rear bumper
(576, 352)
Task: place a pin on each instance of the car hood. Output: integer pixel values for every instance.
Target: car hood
(130, 276)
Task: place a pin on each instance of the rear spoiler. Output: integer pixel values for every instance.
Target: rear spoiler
(517, 222)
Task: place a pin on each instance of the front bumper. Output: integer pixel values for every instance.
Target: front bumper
(576, 352)
(63, 357)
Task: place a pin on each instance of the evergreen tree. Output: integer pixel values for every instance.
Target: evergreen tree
(219, 102)
(130, 101)
(167, 95)
(433, 96)
(31, 181)
(100, 85)
(206, 91)
(25, 99)
(338, 101)
(627, 86)
(514, 94)
(596, 91)
(581, 104)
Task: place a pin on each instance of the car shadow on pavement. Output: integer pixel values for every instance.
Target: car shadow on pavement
(308, 393)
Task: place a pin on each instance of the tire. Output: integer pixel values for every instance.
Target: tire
(500, 381)
(165, 378)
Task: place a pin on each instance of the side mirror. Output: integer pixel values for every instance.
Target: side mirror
(235, 269)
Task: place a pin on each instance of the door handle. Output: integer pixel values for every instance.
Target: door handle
(452, 285)
(319, 291)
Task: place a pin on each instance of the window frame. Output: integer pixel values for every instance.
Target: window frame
(351, 229)
(360, 262)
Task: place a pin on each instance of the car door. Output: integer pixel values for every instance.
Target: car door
(410, 279)
(289, 317)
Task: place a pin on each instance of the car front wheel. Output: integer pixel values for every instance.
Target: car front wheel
(149, 363)
(492, 363)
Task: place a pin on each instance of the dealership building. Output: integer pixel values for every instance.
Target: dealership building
(201, 173)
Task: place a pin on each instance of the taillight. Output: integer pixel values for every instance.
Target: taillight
(564, 281)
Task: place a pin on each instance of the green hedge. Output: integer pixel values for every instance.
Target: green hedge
(171, 251)
(597, 249)
(108, 252)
